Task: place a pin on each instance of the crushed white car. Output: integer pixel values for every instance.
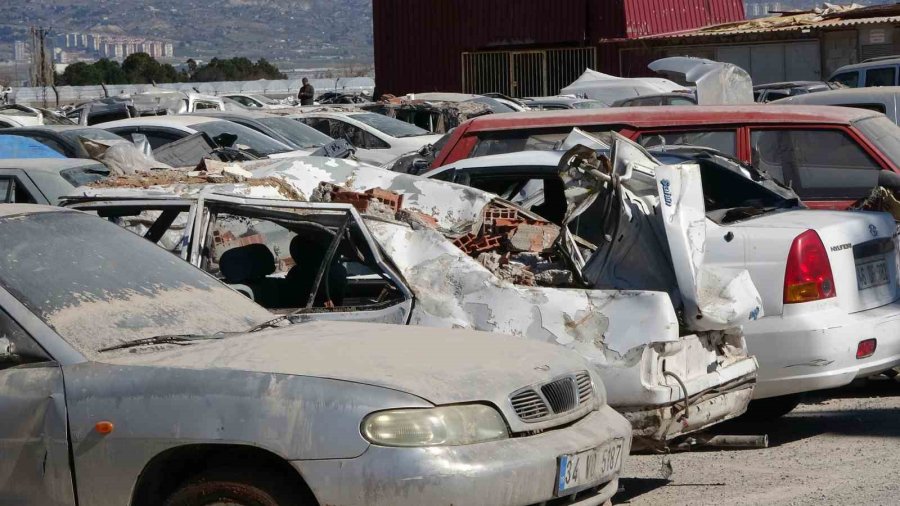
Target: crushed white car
(319, 238)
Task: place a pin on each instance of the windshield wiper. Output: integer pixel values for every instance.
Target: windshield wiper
(180, 339)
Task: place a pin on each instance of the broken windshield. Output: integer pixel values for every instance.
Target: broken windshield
(98, 286)
(247, 138)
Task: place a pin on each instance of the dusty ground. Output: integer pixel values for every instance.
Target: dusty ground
(842, 447)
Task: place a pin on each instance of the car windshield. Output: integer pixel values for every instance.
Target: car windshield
(51, 118)
(300, 134)
(389, 126)
(85, 175)
(264, 99)
(94, 134)
(884, 134)
(98, 285)
(247, 138)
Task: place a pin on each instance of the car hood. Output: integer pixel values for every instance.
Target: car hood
(440, 365)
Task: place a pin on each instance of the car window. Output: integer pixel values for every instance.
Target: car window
(24, 349)
(247, 138)
(4, 124)
(200, 105)
(542, 196)
(12, 191)
(681, 101)
(881, 77)
(774, 95)
(50, 142)
(389, 126)
(885, 134)
(95, 134)
(246, 102)
(97, 285)
(817, 164)
(355, 135)
(301, 135)
(275, 259)
(720, 140)
(848, 79)
(589, 104)
(514, 141)
(80, 176)
(157, 137)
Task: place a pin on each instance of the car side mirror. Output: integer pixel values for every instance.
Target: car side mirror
(8, 351)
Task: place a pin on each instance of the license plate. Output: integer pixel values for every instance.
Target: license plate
(589, 467)
(874, 273)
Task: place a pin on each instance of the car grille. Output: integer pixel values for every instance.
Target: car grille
(557, 397)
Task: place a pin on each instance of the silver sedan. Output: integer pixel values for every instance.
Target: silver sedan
(127, 376)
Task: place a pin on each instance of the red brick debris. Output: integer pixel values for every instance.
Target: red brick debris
(362, 200)
(503, 226)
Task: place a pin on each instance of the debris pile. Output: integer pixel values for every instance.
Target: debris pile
(516, 248)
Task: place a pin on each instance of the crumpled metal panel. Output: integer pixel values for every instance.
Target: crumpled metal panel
(714, 298)
(34, 448)
(717, 83)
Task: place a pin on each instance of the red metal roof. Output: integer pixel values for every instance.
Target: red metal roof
(648, 17)
(668, 115)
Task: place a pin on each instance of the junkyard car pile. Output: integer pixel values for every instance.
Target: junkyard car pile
(229, 307)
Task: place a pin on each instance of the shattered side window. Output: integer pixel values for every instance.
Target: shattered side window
(274, 257)
(815, 163)
(724, 141)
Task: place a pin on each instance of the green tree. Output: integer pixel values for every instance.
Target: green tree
(141, 68)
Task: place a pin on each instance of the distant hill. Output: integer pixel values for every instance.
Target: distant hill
(306, 31)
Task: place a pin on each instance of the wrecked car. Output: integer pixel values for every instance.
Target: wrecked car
(129, 377)
(407, 250)
(437, 113)
(45, 180)
(829, 280)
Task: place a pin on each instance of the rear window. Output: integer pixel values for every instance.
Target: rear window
(724, 141)
(544, 139)
(94, 134)
(81, 176)
(817, 164)
(301, 135)
(881, 77)
(247, 138)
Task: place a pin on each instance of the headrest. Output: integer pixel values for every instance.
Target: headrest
(247, 263)
(306, 248)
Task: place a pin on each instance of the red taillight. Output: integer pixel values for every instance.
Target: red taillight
(866, 348)
(808, 274)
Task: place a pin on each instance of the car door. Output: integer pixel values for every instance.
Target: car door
(17, 188)
(34, 447)
(827, 167)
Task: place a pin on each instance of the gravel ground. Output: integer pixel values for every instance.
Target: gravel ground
(839, 447)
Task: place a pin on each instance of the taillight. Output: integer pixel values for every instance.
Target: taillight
(808, 274)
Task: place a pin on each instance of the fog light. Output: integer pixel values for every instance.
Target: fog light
(866, 348)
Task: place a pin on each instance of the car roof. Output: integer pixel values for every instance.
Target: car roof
(183, 121)
(844, 95)
(52, 165)
(516, 159)
(20, 209)
(231, 114)
(47, 128)
(788, 84)
(868, 64)
(659, 116)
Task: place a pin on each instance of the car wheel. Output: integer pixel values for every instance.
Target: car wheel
(235, 487)
(772, 408)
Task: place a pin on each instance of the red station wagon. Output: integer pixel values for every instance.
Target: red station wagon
(831, 156)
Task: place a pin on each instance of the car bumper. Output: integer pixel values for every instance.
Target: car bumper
(712, 398)
(817, 350)
(516, 471)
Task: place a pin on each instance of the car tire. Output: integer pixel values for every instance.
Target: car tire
(762, 410)
(238, 487)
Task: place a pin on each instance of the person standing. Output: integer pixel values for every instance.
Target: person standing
(307, 93)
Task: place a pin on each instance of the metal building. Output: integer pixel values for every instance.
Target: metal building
(518, 47)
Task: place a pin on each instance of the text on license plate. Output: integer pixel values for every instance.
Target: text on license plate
(871, 274)
(588, 467)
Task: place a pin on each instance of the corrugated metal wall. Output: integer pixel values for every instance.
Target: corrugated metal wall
(419, 43)
(649, 17)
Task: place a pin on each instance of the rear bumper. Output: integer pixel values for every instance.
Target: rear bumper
(817, 350)
(516, 472)
(712, 398)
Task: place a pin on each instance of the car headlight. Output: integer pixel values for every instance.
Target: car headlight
(441, 426)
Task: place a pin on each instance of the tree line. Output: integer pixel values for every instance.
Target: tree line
(141, 68)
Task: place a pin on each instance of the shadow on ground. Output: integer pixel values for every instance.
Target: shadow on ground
(629, 488)
(801, 424)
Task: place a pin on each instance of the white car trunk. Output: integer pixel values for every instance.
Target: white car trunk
(861, 248)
